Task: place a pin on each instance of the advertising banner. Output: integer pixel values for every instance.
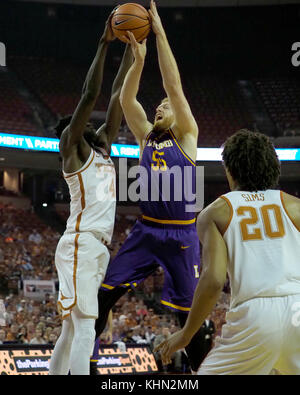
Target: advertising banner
(36, 289)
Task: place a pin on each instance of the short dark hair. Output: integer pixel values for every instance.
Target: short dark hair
(62, 124)
(251, 159)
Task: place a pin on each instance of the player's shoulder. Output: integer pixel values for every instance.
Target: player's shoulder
(66, 147)
(291, 205)
(219, 212)
(63, 141)
(289, 199)
(190, 131)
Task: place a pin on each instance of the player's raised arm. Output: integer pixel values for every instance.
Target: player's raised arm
(114, 113)
(134, 113)
(90, 93)
(184, 119)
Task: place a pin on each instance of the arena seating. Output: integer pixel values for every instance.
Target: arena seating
(26, 255)
(217, 102)
(281, 98)
(218, 107)
(57, 84)
(15, 114)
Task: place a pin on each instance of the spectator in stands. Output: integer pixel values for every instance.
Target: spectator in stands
(22, 335)
(30, 330)
(141, 310)
(209, 331)
(128, 338)
(2, 336)
(38, 338)
(137, 335)
(149, 335)
(52, 339)
(28, 314)
(35, 237)
(12, 334)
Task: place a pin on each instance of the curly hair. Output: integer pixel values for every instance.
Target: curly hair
(251, 159)
(62, 124)
(90, 135)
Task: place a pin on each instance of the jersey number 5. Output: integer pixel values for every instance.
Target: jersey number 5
(272, 228)
(159, 163)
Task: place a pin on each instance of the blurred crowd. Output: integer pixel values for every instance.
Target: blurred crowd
(27, 248)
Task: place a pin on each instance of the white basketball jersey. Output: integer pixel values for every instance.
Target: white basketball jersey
(93, 197)
(263, 247)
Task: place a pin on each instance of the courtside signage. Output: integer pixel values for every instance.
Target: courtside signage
(123, 150)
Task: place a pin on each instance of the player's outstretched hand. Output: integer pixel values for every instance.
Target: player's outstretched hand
(139, 50)
(167, 348)
(108, 34)
(157, 26)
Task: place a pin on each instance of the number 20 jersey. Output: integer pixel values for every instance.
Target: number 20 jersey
(263, 246)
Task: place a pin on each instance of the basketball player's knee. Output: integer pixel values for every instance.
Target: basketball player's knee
(85, 334)
(88, 330)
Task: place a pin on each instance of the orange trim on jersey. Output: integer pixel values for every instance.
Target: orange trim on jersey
(231, 212)
(75, 267)
(170, 221)
(181, 149)
(287, 213)
(59, 308)
(82, 202)
(66, 316)
(174, 306)
(66, 175)
(74, 278)
(76, 246)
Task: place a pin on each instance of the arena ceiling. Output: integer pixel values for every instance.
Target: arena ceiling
(174, 3)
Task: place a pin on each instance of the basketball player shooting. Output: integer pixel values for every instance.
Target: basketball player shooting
(81, 256)
(166, 235)
(253, 232)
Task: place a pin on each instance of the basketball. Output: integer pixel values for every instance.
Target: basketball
(132, 17)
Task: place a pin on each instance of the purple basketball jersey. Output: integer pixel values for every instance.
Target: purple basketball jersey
(167, 179)
(167, 234)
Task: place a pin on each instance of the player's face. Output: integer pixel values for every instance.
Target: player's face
(164, 116)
